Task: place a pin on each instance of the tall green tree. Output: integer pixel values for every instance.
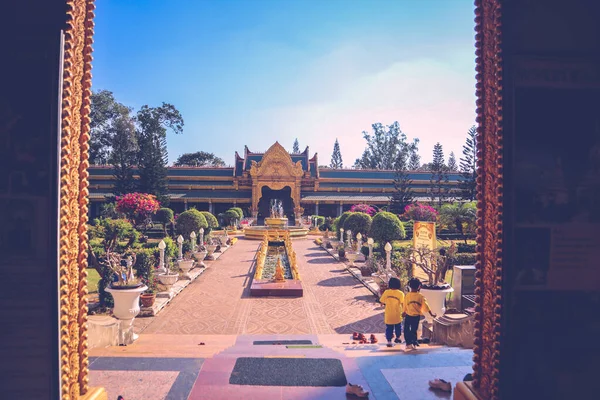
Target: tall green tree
(403, 192)
(414, 163)
(336, 157)
(124, 153)
(199, 159)
(439, 176)
(452, 167)
(105, 110)
(153, 124)
(383, 147)
(468, 166)
(296, 148)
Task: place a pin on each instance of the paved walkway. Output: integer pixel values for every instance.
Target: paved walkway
(218, 302)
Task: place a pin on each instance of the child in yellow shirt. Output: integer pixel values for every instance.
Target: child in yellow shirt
(415, 305)
(393, 298)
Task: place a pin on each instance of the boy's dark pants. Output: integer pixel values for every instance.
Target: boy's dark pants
(389, 331)
(411, 324)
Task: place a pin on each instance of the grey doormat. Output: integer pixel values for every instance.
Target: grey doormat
(288, 372)
(281, 342)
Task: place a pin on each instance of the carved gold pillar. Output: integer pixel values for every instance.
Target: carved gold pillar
(76, 91)
(255, 198)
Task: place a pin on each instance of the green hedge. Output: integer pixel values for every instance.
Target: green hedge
(211, 220)
(342, 220)
(466, 258)
(386, 227)
(188, 221)
(465, 248)
(358, 222)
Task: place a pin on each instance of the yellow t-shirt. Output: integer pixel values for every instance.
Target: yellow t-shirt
(415, 304)
(394, 306)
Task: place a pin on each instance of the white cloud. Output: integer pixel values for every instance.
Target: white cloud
(430, 100)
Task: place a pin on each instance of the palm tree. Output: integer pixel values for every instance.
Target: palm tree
(462, 215)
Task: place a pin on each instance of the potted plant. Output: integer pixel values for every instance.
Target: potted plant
(199, 255)
(186, 265)
(210, 248)
(435, 264)
(168, 278)
(368, 268)
(126, 291)
(149, 296)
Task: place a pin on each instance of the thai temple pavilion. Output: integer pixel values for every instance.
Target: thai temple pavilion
(256, 178)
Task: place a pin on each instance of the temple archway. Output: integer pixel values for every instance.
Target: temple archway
(276, 171)
(268, 194)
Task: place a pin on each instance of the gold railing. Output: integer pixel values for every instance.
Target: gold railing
(261, 254)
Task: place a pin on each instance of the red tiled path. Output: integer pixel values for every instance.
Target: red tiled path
(218, 301)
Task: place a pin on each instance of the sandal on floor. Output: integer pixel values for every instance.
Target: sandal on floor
(356, 390)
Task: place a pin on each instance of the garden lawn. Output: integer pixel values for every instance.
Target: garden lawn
(92, 280)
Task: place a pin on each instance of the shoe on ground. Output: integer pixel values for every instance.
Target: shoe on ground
(389, 344)
(356, 390)
(397, 340)
(440, 384)
(355, 336)
(373, 339)
(410, 347)
(362, 337)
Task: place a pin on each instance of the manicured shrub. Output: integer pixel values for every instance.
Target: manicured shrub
(230, 216)
(239, 212)
(386, 227)
(465, 259)
(165, 217)
(465, 247)
(211, 220)
(342, 220)
(190, 221)
(358, 222)
(170, 249)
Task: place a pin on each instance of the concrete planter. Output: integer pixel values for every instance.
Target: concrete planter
(186, 266)
(436, 298)
(127, 307)
(200, 256)
(351, 256)
(168, 280)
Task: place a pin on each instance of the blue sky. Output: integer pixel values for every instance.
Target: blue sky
(250, 72)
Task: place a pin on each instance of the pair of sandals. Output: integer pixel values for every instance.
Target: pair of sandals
(362, 339)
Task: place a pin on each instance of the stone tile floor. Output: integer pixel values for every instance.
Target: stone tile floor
(169, 362)
(218, 302)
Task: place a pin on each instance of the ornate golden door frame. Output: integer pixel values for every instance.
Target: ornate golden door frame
(74, 198)
(276, 170)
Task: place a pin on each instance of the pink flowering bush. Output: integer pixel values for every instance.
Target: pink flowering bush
(364, 208)
(138, 207)
(420, 212)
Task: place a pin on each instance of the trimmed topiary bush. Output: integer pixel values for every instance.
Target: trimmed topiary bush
(386, 227)
(358, 222)
(239, 212)
(465, 259)
(230, 216)
(465, 247)
(164, 216)
(342, 220)
(211, 220)
(188, 221)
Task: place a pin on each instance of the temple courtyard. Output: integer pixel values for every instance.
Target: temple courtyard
(214, 332)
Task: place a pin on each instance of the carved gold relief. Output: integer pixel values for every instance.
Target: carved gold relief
(488, 284)
(74, 196)
(276, 170)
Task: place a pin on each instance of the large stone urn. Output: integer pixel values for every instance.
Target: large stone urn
(436, 298)
(351, 256)
(186, 266)
(200, 256)
(167, 280)
(210, 248)
(127, 307)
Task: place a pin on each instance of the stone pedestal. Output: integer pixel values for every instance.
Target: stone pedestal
(103, 331)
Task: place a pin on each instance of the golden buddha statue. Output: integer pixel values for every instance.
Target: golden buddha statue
(279, 273)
